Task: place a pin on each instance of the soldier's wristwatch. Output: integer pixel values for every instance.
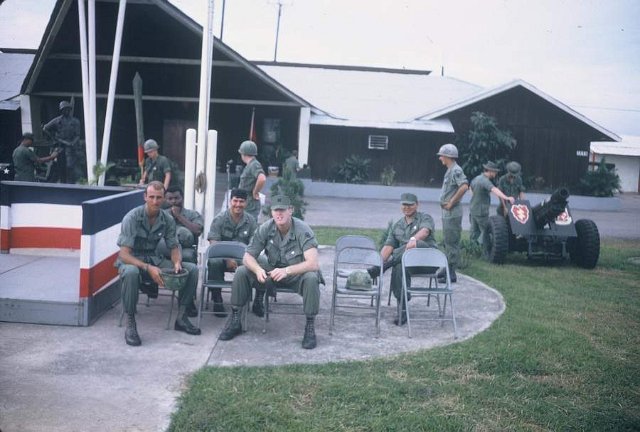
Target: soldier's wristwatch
(412, 238)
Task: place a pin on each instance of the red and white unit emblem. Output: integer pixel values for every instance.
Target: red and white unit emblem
(520, 212)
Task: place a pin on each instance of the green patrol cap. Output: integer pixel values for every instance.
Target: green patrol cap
(491, 166)
(280, 202)
(408, 198)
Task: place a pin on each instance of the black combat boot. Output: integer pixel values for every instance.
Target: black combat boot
(442, 276)
(258, 304)
(218, 307)
(309, 339)
(131, 333)
(233, 327)
(183, 324)
(374, 271)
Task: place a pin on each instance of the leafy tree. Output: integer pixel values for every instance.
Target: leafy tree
(486, 142)
(294, 189)
(603, 182)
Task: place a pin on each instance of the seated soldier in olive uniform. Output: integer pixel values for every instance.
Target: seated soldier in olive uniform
(233, 224)
(511, 185)
(414, 230)
(291, 259)
(142, 229)
(189, 223)
(482, 187)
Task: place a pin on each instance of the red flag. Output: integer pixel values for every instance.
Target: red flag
(140, 155)
(252, 129)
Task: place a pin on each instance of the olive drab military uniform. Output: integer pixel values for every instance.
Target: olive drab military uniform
(156, 169)
(143, 241)
(223, 228)
(280, 252)
(248, 180)
(398, 238)
(185, 237)
(66, 130)
(452, 219)
(291, 165)
(24, 164)
(479, 210)
(511, 187)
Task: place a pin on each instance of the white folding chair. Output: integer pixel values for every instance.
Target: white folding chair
(348, 259)
(223, 250)
(351, 240)
(419, 264)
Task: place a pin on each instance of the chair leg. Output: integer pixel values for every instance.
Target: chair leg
(266, 313)
(453, 318)
(333, 311)
(201, 305)
(170, 310)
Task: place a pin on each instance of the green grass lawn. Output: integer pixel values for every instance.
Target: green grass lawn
(563, 356)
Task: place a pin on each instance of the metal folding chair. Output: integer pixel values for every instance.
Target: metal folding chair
(356, 241)
(348, 259)
(420, 262)
(224, 250)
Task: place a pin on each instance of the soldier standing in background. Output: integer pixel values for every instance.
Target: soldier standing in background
(454, 186)
(511, 185)
(65, 132)
(252, 178)
(482, 187)
(156, 166)
(25, 160)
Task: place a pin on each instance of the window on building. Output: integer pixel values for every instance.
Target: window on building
(378, 142)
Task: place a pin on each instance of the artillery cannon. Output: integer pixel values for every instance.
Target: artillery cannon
(546, 231)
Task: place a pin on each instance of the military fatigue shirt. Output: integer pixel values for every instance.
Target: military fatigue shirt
(223, 228)
(192, 216)
(481, 199)
(453, 179)
(248, 180)
(143, 239)
(283, 252)
(157, 169)
(24, 163)
(401, 231)
(64, 128)
(512, 189)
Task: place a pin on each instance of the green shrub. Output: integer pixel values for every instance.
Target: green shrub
(294, 189)
(603, 182)
(354, 169)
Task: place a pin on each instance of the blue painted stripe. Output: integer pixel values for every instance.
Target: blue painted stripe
(52, 193)
(102, 213)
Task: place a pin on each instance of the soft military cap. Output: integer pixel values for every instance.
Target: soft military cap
(491, 166)
(280, 202)
(408, 198)
(513, 167)
(150, 145)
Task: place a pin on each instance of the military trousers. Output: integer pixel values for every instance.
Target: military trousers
(218, 267)
(479, 227)
(396, 270)
(451, 233)
(130, 278)
(307, 285)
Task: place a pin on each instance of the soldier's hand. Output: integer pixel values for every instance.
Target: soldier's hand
(177, 267)
(511, 199)
(278, 274)
(447, 205)
(232, 265)
(261, 275)
(155, 274)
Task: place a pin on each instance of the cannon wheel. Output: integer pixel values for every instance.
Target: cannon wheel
(586, 247)
(497, 240)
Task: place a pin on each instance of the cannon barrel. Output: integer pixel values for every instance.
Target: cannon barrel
(548, 210)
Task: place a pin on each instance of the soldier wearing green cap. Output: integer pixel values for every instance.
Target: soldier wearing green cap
(290, 259)
(511, 184)
(482, 187)
(454, 186)
(413, 230)
(252, 178)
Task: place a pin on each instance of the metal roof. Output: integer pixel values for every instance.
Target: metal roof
(629, 146)
(13, 69)
(370, 98)
(446, 109)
